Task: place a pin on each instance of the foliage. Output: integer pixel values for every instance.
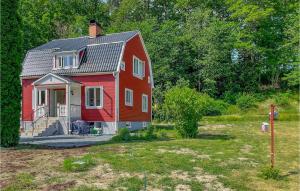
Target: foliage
(23, 181)
(184, 105)
(211, 107)
(246, 101)
(270, 173)
(282, 99)
(11, 53)
(77, 164)
(122, 135)
(149, 135)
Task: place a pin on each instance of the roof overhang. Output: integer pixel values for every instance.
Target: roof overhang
(53, 79)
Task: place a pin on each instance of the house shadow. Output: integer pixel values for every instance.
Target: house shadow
(212, 136)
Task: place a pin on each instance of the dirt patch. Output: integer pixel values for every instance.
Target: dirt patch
(182, 187)
(178, 174)
(62, 186)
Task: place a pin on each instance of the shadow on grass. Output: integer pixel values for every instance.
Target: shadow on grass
(290, 173)
(210, 136)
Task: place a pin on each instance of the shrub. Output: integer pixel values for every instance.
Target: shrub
(184, 106)
(150, 133)
(282, 99)
(122, 135)
(270, 173)
(75, 164)
(212, 107)
(230, 97)
(246, 101)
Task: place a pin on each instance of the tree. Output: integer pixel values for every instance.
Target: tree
(184, 106)
(11, 54)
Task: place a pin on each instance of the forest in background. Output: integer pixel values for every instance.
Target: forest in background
(214, 46)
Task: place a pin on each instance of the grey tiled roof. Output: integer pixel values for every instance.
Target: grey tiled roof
(102, 54)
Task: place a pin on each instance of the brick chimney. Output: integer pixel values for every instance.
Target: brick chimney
(94, 29)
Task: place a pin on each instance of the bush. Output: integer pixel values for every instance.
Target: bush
(270, 173)
(230, 97)
(122, 135)
(78, 164)
(282, 99)
(150, 133)
(184, 106)
(246, 101)
(212, 107)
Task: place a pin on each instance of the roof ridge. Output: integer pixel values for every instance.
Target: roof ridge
(97, 44)
(96, 37)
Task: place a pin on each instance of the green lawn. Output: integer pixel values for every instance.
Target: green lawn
(228, 154)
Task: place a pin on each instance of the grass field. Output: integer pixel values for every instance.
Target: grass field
(228, 154)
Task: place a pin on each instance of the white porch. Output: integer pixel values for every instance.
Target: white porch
(57, 96)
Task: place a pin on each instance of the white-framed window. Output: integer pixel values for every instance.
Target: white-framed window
(123, 65)
(128, 124)
(128, 97)
(65, 61)
(138, 67)
(41, 97)
(94, 97)
(144, 103)
(145, 124)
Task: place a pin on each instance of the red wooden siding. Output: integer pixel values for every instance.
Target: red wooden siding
(139, 87)
(107, 113)
(27, 99)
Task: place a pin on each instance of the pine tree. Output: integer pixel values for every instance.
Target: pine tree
(11, 53)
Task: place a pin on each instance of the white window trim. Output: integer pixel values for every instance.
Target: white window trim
(137, 75)
(128, 124)
(59, 56)
(101, 100)
(39, 96)
(144, 124)
(129, 103)
(123, 66)
(145, 110)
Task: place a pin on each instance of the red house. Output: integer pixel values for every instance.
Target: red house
(102, 79)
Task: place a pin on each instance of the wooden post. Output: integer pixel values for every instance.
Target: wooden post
(272, 136)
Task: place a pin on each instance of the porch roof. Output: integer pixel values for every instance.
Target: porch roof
(54, 79)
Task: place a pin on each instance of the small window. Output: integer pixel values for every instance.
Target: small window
(94, 97)
(144, 103)
(123, 66)
(128, 97)
(65, 61)
(41, 97)
(145, 124)
(138, 67)
(128, 124)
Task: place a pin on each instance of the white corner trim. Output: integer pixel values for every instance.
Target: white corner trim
(121, 57)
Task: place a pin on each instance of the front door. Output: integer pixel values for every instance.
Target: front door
(60, 99)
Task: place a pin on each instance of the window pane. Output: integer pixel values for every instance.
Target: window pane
(140, 68)
(91, 97)
(70, 61)
(43, 97)
(136, 70)
(98, 97)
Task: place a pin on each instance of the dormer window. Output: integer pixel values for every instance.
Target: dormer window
(65, 61)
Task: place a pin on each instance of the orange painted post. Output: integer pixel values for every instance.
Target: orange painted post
(272, 135)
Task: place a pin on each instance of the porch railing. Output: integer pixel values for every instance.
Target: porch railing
(61, 110)
(75, 110)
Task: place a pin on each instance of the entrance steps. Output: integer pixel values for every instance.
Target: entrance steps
(46, 127)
